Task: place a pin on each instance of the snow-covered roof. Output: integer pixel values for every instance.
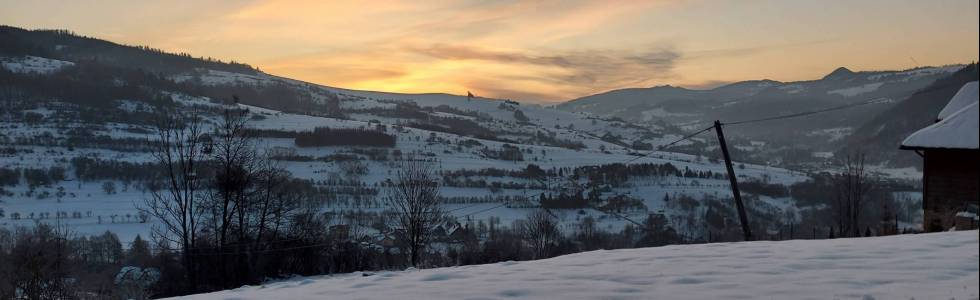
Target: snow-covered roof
(959, 130)
(966, 214)
(964, 97)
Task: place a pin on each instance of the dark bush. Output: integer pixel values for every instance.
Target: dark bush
(767, 189)
(323, 136)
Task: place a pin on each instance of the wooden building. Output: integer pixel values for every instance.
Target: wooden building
(951, 163)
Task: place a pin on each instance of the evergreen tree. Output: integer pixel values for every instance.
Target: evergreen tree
(138, 253)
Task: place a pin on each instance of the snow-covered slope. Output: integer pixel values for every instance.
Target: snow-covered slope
(118, 212)
(924, 266)
(495, 114)
(33, 64)
(883, 133)
(748, 100)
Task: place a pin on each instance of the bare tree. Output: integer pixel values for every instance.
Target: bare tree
(275, 201)
(541, 231)
(354, 169)
(589, 234)
(853, 185)
(251, 198)
(222, 199)
(414, 197)
(235, 161)
(179, 150)
(39, 263)
(229, 202)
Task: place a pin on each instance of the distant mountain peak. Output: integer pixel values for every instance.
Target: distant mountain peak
(838, 73)
(752, 83)
(668, 87)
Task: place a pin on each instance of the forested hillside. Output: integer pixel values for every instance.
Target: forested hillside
(886, 131)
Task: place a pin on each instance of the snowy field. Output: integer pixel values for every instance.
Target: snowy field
(94, 211)
(924, 266)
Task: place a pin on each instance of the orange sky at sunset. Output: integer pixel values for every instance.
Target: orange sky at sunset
(531, 50)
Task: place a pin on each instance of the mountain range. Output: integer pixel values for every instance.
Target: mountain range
(871, 98)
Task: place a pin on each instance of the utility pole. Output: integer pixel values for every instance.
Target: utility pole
(746, 232)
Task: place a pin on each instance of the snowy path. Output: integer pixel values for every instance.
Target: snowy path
(925, 266)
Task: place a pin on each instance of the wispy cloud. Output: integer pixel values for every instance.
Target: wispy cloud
(582, 70)
(529, 50)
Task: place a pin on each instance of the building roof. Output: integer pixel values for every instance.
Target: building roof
(959, 130)
(965, 96)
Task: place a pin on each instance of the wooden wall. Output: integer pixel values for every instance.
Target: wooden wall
(951, 182)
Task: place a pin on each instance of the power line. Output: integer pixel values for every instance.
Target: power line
(668, 144)
(487, 209)
(872, 101)
(686, 137)
(592, 207)
(661, 147)
(780, 117)
(621, 217)
(464, 207)
(505, 203)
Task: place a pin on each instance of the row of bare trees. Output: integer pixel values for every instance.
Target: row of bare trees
(221, 203)
(854, 186)
(51, 262)
(180, 152)
(414, 198)
(228, 209)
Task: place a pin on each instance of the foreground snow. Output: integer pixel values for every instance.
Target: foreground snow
(925, 266)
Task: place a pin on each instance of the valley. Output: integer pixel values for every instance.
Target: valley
(90, 151)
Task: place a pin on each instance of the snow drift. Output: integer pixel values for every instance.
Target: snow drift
(924, 266)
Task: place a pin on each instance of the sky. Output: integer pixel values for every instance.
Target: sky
(533, 51)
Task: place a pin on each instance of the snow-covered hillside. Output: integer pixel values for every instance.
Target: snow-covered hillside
(923, 266)
(481, 146)
(494, 114)
(33, 64)
(94, 210)
(692, 109)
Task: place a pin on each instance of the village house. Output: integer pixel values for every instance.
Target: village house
(950, 149)
(340, 232)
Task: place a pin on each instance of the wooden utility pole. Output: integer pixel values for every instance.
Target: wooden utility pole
(746, 232)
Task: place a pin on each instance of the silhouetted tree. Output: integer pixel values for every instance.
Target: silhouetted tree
(540, 231)
(179, 151)
(413, 196)
(853, 185)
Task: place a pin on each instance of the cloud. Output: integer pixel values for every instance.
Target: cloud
(746, 51)
(497, 89)
(576, 71)
(539, 49)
